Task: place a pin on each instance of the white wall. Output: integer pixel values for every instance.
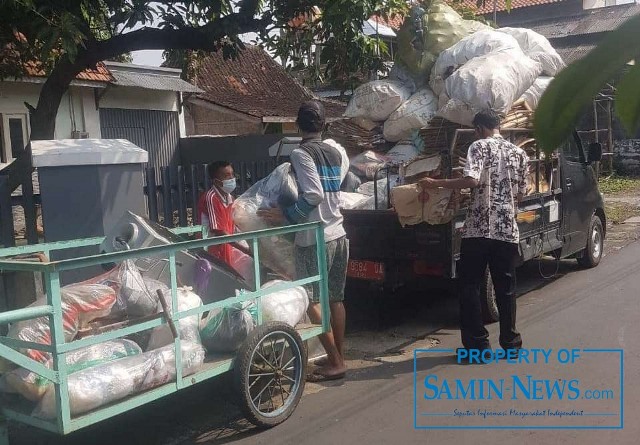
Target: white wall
(592, 4)
(77, 109)
(132, 98)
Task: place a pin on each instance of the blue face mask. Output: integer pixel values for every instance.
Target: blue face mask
(229, 185)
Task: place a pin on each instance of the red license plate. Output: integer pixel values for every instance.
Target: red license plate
(366, 270)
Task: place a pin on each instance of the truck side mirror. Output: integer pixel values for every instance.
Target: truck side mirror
(595, 152)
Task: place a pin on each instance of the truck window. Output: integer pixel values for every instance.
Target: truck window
(571, 150)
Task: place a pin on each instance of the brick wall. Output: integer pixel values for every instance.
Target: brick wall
(201, 120)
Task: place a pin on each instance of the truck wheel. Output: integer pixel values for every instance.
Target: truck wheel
(270, 373)
(489, 306)
(592, 254)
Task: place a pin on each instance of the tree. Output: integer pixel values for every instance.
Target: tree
(65, 37)
(573, 89)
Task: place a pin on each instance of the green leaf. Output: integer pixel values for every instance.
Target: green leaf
(628, 100)
(575, 87)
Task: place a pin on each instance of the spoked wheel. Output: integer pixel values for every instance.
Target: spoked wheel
(270, 374)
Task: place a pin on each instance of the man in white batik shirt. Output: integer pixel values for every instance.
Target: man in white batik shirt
(496, 173)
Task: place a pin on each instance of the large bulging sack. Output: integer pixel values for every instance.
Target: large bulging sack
(415, 205)
(537, 48)
(494, 81)
(533, 95)
(412, 115)
(425, 34)
(224, 329)
(478, 44)
(377, 99)
(188, 327)
(368, 164)
(279, 189)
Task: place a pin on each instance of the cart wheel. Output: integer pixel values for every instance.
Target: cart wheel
(489, 306)
(270, 374)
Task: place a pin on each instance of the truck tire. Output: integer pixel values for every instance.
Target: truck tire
(592, 254)
(489, 306)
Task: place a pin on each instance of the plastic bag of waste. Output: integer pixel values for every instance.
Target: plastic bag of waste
(376, 100)
(287, 306)
(537, 48)
(533, 95)
(224, 329)
(412, 115)
(367, 164)
(103, 384)
(188, 327)
(33, 386)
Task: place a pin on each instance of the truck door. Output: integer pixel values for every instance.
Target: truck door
(575, 177)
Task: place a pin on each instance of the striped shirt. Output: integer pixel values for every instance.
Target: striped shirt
(318, 170)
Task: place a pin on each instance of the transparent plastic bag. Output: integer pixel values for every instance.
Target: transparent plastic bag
(188, 328)
(103, 384)
(224, 329)
(33, 386)
(287, 306)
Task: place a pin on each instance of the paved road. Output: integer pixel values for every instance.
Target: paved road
(597, 308)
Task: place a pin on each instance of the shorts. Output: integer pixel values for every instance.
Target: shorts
(337, 259)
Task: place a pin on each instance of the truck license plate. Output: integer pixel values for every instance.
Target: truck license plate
(366, 270)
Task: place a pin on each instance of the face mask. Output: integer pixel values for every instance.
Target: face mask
(229, 185)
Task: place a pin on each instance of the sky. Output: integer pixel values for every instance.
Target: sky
(150, 57)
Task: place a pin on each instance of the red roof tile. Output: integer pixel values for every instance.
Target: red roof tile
(394, 22)
(502, 6)
(100, 74)
(254, 84)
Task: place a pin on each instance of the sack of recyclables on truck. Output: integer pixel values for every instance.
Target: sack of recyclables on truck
(100, 385)
(414, 205)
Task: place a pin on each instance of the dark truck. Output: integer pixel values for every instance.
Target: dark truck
(565, 219)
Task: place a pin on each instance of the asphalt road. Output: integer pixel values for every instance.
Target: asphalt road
(596, 308)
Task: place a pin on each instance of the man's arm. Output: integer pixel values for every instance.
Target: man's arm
(310, 193)
(471, 175)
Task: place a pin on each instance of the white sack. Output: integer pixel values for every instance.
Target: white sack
(287, 306)
(377, 99)
(537, 48)
(412, 115)
(532, 95)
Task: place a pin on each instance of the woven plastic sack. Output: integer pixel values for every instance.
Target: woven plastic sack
(442, 27)
(352, 200)
(477, 44)
(403, 152)
(188, 327)
(537, 48)
(494, 81)
(224, 329)
(33, 386)
(107, 383)
(533, 95)
(415, 205)
(287, 306)
(412, 115)
(367, 164)
(376, 100)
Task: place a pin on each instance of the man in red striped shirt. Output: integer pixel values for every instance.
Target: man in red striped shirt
(215, 207)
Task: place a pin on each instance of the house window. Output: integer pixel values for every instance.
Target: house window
(14, 135)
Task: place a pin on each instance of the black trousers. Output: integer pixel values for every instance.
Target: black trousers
(475, 255)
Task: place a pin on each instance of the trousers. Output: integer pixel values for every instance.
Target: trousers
(500, 256)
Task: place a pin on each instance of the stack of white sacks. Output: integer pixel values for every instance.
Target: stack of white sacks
(489, 69)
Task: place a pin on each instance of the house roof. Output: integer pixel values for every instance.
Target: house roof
(501, 5)
(394, 22)
(150, 77)
(571, 53)
(99, 74)
(254, 84)
(590, 21)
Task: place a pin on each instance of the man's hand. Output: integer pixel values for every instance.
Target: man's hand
(429, 183)
(274, 216)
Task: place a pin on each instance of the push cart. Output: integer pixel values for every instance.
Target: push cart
(269, 368)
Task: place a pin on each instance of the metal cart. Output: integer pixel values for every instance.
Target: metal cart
(269, 368)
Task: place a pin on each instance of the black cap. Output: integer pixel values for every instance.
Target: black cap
(311, 116)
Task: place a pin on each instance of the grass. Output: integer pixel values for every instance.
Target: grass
(614, 185)
(619, 212)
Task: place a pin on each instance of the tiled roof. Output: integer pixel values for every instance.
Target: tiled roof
(572, 53)
(394, 22)
(501, 5)
(100, 74)
(588, 22)
(254, 84)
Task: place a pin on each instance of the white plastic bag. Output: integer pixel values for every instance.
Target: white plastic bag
(350, 200)
(533, 95)
(377, 99)
(367, 164)
(98, 386)
(287, 306)
(403, 152)
(537, 48)
(494, 81)
(188, 328)
(412, 115)
(33, 386)
(277, 189)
